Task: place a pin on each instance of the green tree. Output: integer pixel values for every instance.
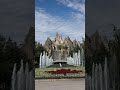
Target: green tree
(38, 49)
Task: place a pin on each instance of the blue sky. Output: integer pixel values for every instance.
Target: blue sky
(66, 17)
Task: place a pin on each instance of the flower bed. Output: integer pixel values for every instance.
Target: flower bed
(69, 72)
(65, 71)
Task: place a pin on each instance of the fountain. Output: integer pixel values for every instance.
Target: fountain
(76, 60)
(99, 79)
(45, 60)
(60, 64)
(14, 78)
(22, 80)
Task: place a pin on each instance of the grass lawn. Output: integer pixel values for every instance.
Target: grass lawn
(41, 72)
(58, 66)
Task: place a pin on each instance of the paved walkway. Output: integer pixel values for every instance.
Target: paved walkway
(60, 84)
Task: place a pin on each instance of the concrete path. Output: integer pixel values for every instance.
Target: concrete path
(60, 84)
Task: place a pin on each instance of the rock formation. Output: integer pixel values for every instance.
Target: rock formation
(61, 48)
(59, 43)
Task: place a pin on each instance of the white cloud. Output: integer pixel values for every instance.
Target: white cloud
(78, 5)
(47, 25)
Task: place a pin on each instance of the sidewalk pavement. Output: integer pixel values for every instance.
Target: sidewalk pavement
(60, 84)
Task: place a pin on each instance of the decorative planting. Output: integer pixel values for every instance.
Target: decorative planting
(66, 72)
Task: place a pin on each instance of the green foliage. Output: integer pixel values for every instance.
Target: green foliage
(10, 53)
(59, 47)
(38, 49)
(58, 66)
(74, 50)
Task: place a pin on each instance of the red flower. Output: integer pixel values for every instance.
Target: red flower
(65, 71)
